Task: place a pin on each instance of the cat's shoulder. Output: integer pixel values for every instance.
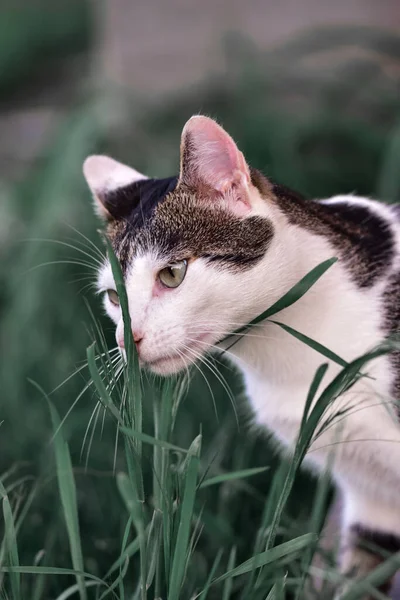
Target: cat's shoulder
(361, 209)
(365, 233)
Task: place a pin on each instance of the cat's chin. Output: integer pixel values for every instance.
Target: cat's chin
(167, 366)
(179, 360)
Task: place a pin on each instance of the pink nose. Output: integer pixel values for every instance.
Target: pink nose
(137, 338)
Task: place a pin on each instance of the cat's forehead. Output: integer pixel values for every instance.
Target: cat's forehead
(173, 222)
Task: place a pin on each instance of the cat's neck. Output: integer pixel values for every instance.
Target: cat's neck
(328, 312)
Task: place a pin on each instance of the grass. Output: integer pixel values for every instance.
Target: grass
(163, 527)
(161, 490)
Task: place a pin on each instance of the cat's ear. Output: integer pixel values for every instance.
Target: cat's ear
(210, 160)
(105, 176)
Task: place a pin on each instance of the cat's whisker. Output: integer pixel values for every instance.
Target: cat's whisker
(96, 262)
(226, 333)
(88, 286)
(82, 278)
(86, 250)
(118, 366)
(352, 412)
(91, 425)
(77, 263)
(356, 441)
(92, 244)
(203, 359)
(187, 349)
(222, 351)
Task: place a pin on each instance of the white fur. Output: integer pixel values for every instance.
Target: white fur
(277, 368)
(104, 174)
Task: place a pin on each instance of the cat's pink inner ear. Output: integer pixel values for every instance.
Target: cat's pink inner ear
(211, 159)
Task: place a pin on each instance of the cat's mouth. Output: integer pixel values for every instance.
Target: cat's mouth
(176, 361)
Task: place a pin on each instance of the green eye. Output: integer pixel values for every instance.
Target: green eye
(174, 274)
(113, 297)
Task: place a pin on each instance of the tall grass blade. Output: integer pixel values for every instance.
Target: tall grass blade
(232, 476)
(384, 572)
(132, 371)
(67, 489)
(33, 570)
(185, 520)
(153, 547)
(211, 574)
(10, 545)
(293, 295)
(320, 348)
(131, 499)
(228, 585)
(280, 554)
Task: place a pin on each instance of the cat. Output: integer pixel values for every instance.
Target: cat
(205, 252)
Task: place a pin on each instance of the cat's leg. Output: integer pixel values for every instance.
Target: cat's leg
(371, 532)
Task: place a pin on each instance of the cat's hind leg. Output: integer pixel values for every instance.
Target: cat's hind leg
(371, 534)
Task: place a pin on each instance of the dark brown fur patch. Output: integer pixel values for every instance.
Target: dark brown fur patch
(391, 300)
(184, 225)
(374, 541)
(364, 550)
(362, 239)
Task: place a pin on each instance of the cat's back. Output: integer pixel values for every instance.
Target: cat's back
(367, 235)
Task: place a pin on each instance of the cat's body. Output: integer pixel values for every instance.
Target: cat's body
(247, 242)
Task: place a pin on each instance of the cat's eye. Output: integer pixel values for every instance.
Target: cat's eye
(174, 274)
(113, 297)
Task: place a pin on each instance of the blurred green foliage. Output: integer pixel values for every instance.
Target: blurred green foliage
(35, 35)
(320, 114)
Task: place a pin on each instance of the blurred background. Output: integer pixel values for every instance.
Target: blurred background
(310, 91)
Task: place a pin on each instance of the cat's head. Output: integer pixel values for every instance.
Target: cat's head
(192, 248)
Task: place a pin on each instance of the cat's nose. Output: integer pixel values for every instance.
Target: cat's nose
(137, 337)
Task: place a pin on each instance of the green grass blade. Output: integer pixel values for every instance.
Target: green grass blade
(32, 570)
(131, 499)
(272, 594)
(293, 295)
(132, 370)
(228, 585)
(384, 572)
(67, 489)
(312, 344)
(99, 384)
(71, 591)
(123, 298)
(282, 553)
(186, 515)
(341, 383)
(122, 562)
(312, 392)
(153, 546)
(148, 439)
(319, 511)
(210, 577)
(297, 291)
(232, 476)
(288, 480)
(11, 548)
(126, 553)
